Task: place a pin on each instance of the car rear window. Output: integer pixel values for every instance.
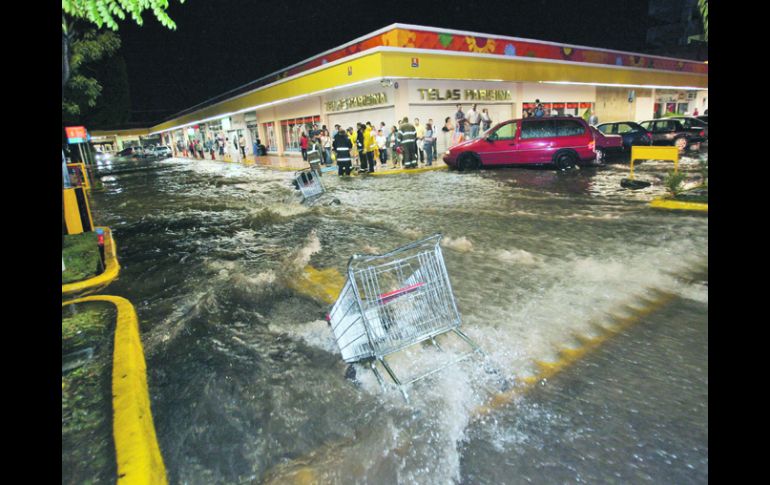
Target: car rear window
(625, 128)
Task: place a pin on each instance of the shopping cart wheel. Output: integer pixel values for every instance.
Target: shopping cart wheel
(350, 373)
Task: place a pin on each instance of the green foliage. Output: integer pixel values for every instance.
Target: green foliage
(703, 167)
(703, 7)
(108, 12)
(81, 257)
(83, 89)
(673, 182)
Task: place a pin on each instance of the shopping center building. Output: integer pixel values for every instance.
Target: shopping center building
(424, 72)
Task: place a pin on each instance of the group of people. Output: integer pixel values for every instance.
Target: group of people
(405, 145)
(218, 145)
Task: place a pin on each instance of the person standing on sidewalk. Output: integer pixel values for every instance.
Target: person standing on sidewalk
(419, 132)
(200, 149)
(242, 143)
(303, 141)
(473, 119)
(486, 120)
(382, 145)
(428, 143)
(394, 140)
(342, 151)
(435, 139)
(326, 145)
(460, 119)
(408, 143)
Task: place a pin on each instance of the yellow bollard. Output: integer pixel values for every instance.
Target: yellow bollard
(654, 153)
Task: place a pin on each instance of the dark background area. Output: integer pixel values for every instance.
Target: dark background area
(220, 45)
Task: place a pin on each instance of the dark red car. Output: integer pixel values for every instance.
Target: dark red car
(606, 145)
(560, 141)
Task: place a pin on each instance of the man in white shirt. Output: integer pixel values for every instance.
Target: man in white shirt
(474, 118)
(419, 134)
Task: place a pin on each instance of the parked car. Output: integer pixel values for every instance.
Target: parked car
(631, 133)
(134, 152)
(703, 118)
(693, 123)
(668, 131)
(163, 152)
(607, 146)
(560, 141)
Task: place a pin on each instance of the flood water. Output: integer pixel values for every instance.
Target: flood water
(247, 384)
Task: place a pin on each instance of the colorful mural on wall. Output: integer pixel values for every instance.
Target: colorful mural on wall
(446, 41)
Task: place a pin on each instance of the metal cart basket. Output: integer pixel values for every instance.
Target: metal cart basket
(308, 181)
(395, 300)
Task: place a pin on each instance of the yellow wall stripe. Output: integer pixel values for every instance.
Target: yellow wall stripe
(136, 446)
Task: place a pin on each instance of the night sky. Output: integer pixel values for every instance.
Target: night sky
(222, 44)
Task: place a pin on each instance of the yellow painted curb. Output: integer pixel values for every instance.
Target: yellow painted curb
(98, 282)
(410, 170)
(136, 446)
(662, 203)
(568, 356)
(324, 285)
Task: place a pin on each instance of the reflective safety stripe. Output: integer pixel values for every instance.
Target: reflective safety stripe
(342, 149)
(407, 132)
(407, 141)
(343, 160)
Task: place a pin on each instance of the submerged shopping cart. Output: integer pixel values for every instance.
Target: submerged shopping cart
(308, 181)
(393, 301)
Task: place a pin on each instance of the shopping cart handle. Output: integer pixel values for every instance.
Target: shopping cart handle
(391, 295)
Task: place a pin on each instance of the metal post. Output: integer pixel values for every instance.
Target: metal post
(65, 174)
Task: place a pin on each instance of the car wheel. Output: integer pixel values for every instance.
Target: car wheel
(564, 160)
(468, 161)
(600, 157)
(681, 143)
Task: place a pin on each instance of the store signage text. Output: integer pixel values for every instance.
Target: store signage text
(356, 102)
(76, 134)
(467, 94)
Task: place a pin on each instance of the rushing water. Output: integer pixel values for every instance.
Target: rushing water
(247, 385)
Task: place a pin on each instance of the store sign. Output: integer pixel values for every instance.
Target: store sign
(76, 134)
(465, 94)
(356, 102)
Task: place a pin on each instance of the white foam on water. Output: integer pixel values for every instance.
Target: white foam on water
(517, 256)
(315, 334)
(461, 244)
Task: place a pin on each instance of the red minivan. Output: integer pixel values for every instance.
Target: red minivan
(560, 141)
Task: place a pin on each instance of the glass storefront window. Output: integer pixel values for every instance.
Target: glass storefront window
(291, 130)
(270, 141)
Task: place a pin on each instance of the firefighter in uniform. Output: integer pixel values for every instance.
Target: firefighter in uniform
(342, 147)
(361, 149)
(408, 143)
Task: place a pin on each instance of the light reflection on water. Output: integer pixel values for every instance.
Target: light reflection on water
(244, 375)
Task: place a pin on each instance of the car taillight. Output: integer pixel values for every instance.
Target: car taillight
(703, 133)
(592, 145)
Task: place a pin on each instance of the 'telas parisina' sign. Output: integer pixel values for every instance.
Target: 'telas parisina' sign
(467, 94)
(356, 102)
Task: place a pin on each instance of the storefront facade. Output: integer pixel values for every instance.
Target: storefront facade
(421, 72)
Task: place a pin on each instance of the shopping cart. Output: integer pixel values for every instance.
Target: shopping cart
(308, 181)
(393, 301)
